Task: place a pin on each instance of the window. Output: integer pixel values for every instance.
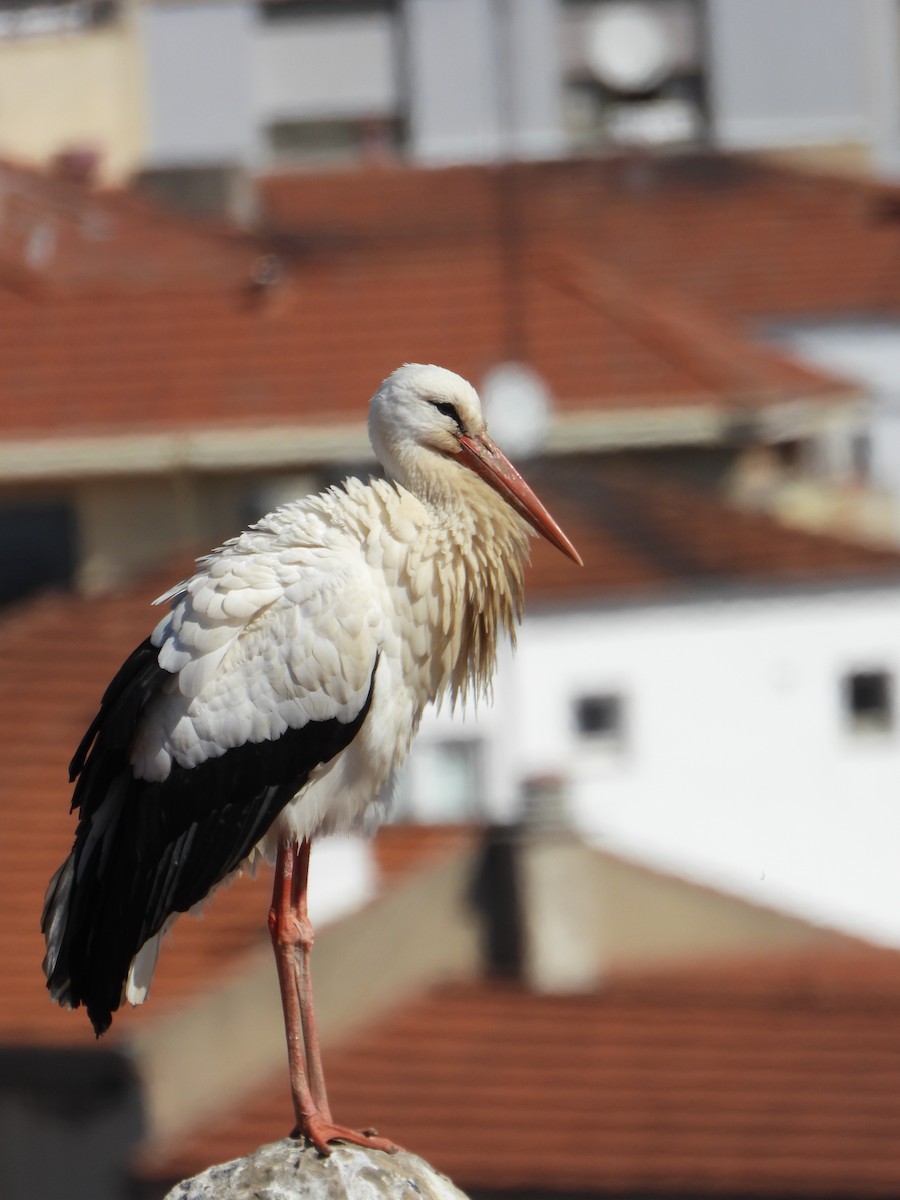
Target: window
(442, 782)
(276, 10)
(320, 142)
(20, 18)
(38, 546)
(600, 718)
(868, 701)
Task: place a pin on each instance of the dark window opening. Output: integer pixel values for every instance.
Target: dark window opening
(276, 10)
(19, 18)
(600, 717)
(38, 546)
(352, 139)
(868, 700)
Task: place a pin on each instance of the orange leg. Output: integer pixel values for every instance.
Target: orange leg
(292, 939)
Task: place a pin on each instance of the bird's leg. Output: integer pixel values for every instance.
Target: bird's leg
(284, 940)
(314, 1071)
(292, 938)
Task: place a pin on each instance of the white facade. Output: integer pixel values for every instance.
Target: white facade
(444, 81)
(199, 86)
(806, 85)
(741, 760)
(794, 73)
(254, 83)
(484, 80)
(324, 68)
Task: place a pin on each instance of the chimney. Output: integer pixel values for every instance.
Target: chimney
(497, 896)
(536, 890)
(561, 908)
(78, 164)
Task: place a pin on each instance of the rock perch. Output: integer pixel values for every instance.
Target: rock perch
(294, 1170)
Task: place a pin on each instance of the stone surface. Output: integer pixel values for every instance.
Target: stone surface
(291, 1169)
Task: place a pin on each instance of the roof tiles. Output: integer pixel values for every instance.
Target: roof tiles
(621, 284)
(736, 235)
(57, 236)
(781, 1077)
(645, 535)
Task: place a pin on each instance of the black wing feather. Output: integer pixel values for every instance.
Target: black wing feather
(166, 844)
(138, 679)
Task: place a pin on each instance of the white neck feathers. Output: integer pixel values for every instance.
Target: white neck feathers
(458, 582)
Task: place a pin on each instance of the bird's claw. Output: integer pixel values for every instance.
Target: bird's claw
(321, 1133)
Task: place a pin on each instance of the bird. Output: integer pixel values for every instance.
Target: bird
(277, 698)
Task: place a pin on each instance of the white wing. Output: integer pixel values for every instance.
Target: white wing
(259, 642)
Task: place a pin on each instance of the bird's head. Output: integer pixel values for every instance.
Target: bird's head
(426, 424)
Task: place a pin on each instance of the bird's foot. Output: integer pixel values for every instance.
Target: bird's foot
(321, 1132)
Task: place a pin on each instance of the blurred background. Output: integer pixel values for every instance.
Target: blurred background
(634, 928)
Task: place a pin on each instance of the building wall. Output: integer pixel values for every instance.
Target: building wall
(807, 84)
(483, 79)
(449, 81)
(199, 99)
(78, 89)
(736, 762)
(882, 34)
(126, 526)
(325, 67)
(807, 73)
(326, 87)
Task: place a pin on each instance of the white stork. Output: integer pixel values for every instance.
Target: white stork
(278, 697)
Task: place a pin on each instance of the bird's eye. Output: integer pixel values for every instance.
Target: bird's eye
(448, 410)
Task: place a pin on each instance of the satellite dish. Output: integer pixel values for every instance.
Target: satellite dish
(517, 406)
(627, 48)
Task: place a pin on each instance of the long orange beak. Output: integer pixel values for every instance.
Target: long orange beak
(485, 458)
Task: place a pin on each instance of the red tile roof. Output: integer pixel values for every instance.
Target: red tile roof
(738, 236)
(644, 535)
(708, 351)
(779, 1077)
(114, 317)
(57, 237)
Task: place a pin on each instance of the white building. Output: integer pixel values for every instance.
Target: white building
(470, 80)
(734, 720)
(220, 84)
